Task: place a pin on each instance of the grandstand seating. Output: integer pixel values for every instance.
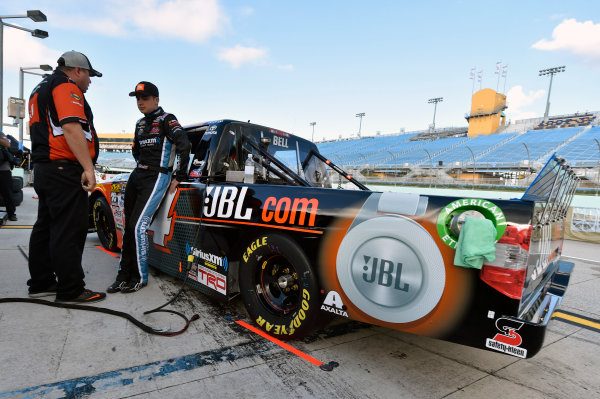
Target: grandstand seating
(478, 145)
(570, 121)
(538, 143)
(576, 144)
(583, 151)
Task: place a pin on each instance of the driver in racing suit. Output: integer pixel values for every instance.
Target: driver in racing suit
(158, 138)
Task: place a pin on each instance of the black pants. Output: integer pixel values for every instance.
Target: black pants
(58, 236)
(143, 194)
(6, 191)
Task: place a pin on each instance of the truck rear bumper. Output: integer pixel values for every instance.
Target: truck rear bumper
(531, 327)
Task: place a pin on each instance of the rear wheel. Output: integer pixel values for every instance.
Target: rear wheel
(105, 224)
(278, 287)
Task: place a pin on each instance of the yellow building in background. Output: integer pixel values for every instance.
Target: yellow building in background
(486, 112)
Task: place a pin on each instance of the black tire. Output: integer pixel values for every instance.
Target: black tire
(17, 183)
(269, 263)
(105, 224)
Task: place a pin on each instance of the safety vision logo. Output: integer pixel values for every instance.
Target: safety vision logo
(508, 340)
(333, 304)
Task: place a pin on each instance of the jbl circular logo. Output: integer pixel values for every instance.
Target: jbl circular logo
(387, 271)
(391, 269)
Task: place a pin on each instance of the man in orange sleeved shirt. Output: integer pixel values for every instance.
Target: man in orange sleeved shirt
(64, 150)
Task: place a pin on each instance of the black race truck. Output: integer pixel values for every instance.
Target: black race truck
(267, 218)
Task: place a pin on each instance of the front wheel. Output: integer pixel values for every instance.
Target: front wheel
(278, 287)
(105, 224)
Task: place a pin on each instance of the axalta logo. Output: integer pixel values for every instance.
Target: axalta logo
(226, 202)
(384, 272)
(333, 304)
(292, 211)
(508, 340)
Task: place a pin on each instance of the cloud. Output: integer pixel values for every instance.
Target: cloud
(191, 20)
(288, 67)
(517, 100)
(239, 55)
(580, 38)
(36, 53)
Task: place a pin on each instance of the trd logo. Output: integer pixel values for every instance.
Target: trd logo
(383, 271)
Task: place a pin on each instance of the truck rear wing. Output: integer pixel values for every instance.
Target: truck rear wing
(552, 190)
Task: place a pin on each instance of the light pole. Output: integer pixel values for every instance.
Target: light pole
(434, 101)
(551, 72)
(528, 158)
(431, 161)
(313, 133)
(598, 176)
(360, 115)
(35, 16)
(22, 72)
(474, 165)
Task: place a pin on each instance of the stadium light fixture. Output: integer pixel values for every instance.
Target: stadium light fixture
(313, 130)
(434, 101)
(35, 16)
(360, 115)
(551, 72)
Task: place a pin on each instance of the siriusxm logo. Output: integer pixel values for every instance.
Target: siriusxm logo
(210, 259)
(152, 141)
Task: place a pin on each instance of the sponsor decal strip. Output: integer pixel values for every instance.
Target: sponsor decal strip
(577, 320)
(255, 224)
(108, 252)
(295, 351)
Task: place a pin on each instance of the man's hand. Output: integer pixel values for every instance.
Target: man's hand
(88, 180)
(173, 186)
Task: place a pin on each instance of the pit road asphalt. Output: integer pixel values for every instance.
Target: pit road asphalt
(61, 353)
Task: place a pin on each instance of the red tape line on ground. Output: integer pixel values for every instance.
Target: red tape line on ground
(108, 252)
(280, 343)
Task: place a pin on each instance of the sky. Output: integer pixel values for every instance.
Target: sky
(285, 64)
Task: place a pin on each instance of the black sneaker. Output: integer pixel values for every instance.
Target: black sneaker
(132, 286)
(42, 293)
(116, 286)
(13, 218)
(87, 296)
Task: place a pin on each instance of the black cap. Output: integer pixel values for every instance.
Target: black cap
(145, 88)
(76, 59)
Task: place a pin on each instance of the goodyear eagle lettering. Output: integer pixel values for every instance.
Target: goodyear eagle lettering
(282, 329)
(259, 242)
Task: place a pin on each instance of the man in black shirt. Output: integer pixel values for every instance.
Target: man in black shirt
(158, 139)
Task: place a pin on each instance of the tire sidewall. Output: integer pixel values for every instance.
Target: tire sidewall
(108, 242)
(301, 320)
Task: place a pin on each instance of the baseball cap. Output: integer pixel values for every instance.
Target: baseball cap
(76, 59)
(145, 88)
